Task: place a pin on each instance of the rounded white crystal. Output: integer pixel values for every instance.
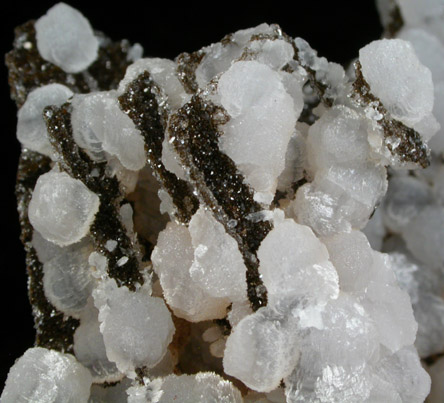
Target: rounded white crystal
(424, 236)
(398, 79)
(262, 122)
(406, 197)
(391, 310)
(218, 266)
(340, 198)
(100, 125)
(337, 138)
(65, 38)
(172, 258)
(352, 256)
(67, 280)
(137, 328)
(89, 348)
(62, 208)
(405, 372)
(303, 273)
(200, 388)
(261, 350)
(428, 48)
(164, 74)
(31, 127)
(43, 375)
(347, 338)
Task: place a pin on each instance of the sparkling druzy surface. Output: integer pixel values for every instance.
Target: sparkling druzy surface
(248, 222)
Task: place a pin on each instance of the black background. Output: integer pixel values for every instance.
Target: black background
(337, 29)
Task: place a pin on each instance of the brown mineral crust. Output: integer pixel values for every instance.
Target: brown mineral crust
(411, 147)
(187, 64)
(217, 181)
(53, 329)
(140, 103)
(27, 69)
(107, 224)
(111, 64)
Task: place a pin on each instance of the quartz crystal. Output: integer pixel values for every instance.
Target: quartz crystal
(248, 222)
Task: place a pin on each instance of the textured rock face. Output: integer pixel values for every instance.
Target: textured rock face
(245, 223)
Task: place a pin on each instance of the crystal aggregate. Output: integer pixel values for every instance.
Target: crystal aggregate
(245, 223)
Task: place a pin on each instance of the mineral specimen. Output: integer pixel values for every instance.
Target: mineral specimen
(247, 223)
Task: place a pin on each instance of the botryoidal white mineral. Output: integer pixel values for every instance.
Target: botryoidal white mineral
(246, 223)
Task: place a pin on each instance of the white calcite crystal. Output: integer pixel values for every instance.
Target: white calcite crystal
(43, 375)
(306, 274)
(100, 126)
(262, 121)
(62, 208)
(392, 63)
(173, 258)
(136, 327)
(217, 267)
(31, 127)
(204, 386)
(67, 279)
(65, 38)
(262, 350)
(244, 223)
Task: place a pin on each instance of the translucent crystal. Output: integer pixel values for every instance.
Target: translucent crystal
(90, 350)
(65, 38)
(307, 273)
(204, 386)
(337, 138)
(62, 208)
(43, 375)
(398, 79)
(67, 280)
(218, 267)
(172, 260)
(99, 125)
(424, 236)
(136, 327)
(31, 128)
(261, 350)
(247, 90)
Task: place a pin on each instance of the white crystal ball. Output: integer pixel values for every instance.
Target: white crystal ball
(66, 39)
(397, 77)
(62, 208)
(43, 375)
(31, 128)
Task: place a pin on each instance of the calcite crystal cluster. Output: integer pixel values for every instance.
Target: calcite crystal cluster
(245, 223)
